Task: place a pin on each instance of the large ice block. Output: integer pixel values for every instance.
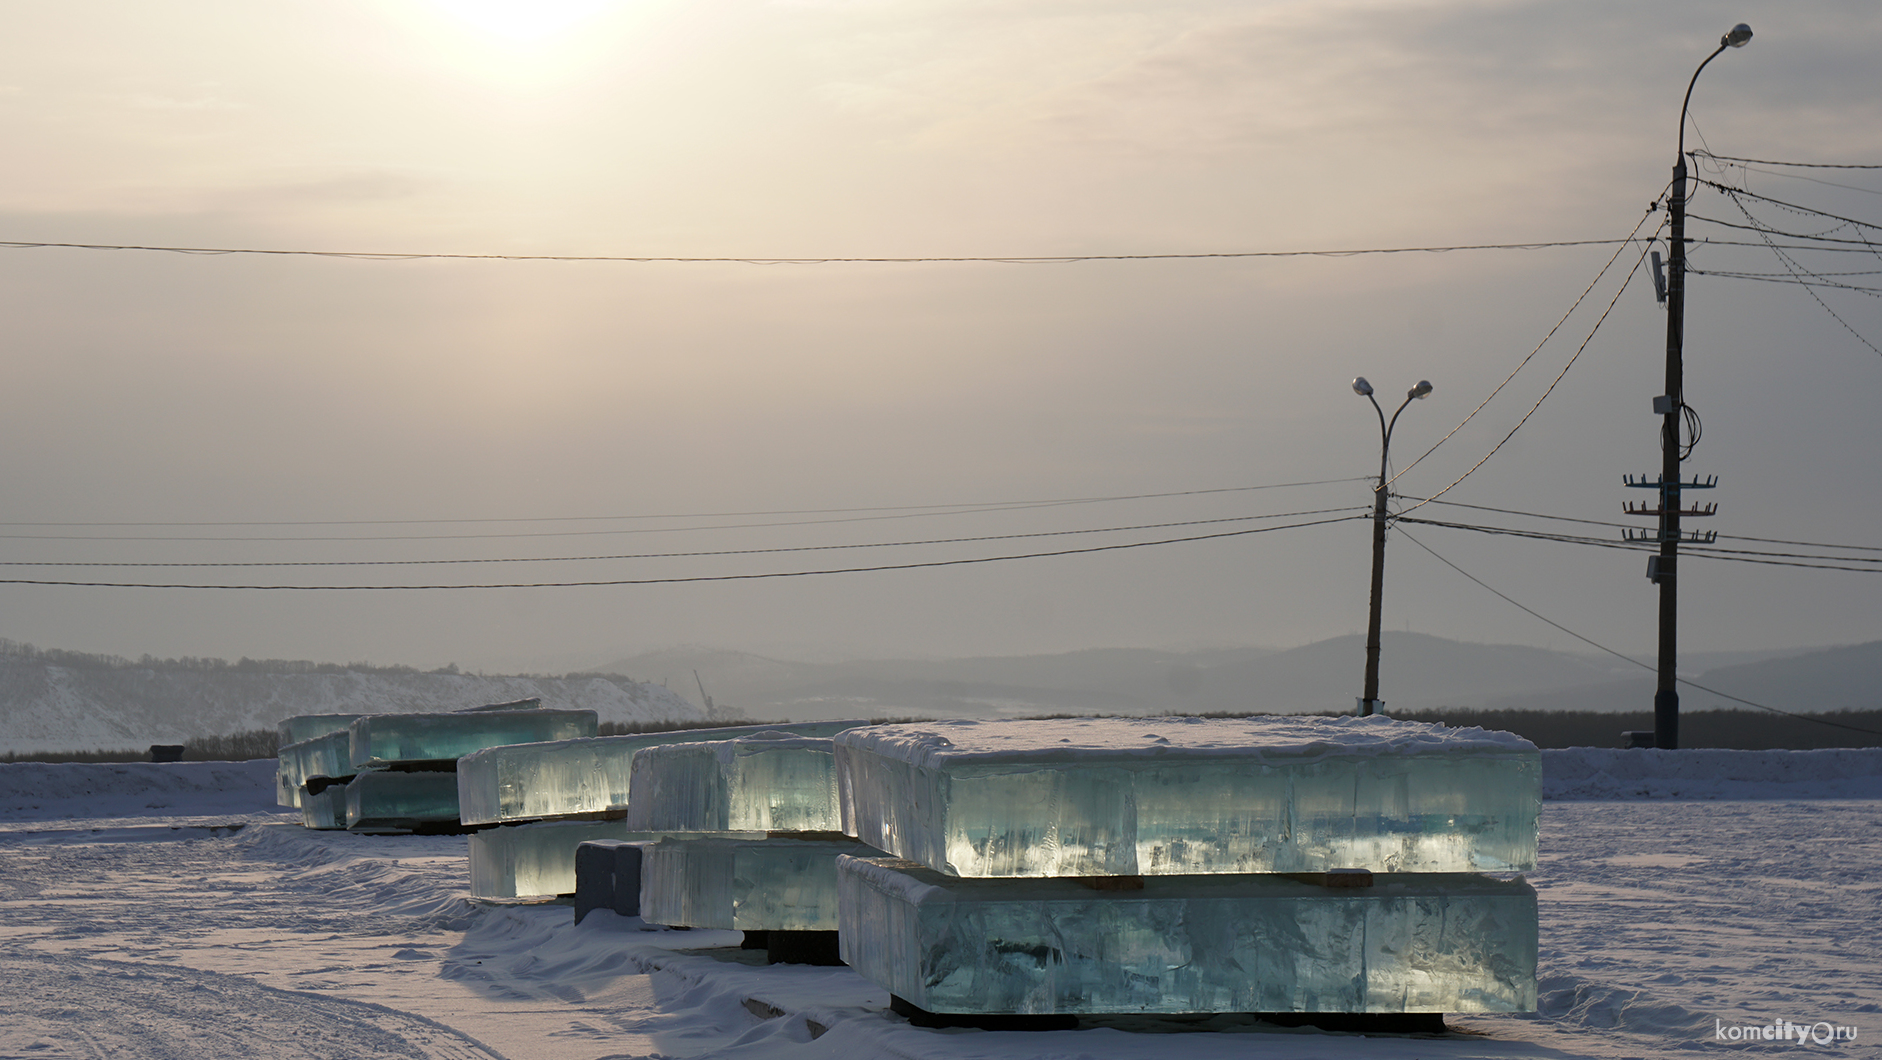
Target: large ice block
(1170, 796)
(307, 726)
(538, 857)
(767, 781)
(774, 884)
(1437, 942)
(386, 800)
(327, 755)
(326, 808)
(383, 738)
(533, 781)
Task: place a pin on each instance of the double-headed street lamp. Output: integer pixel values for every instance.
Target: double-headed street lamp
(1671, 405)
(1370, 704)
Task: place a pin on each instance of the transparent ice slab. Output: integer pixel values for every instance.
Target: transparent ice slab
(1442, 942)
(384, 799)
(1172, 796)
(307, 726)
(538, 857)
(324, 809)
(379, 739)
(772, 884)
(768, 781)
(525, 782)
(327, 755)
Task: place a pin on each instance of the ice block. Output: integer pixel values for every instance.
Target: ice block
(307, 726)
(1172, 796)
(1437, 942)
(538, 857)
(327, 755)
(766, 781)
(323, 809)
(383, 738)
(385, 800)
(534, 781)
(774, 884)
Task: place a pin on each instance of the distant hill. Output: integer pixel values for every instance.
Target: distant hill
(68, 701)
(1418, 672)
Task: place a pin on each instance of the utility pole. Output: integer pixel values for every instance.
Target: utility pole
(1370, 703)
(1663, 568)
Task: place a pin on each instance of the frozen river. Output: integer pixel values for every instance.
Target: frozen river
(147, 930)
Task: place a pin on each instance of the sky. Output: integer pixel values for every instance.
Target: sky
(380, 416)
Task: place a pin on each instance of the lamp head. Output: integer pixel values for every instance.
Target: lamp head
(1737, 37)
(1423, 388)
(1361, 387)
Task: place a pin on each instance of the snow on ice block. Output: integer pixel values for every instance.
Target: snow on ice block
(538, 857)
(1173, 796)
(774, 884)
(379, 739)
(326, 755)
(387, 800)
(567, 778)
(1440, 942)
(766, 781)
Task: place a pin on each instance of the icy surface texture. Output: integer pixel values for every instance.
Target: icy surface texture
(534, 781)
(522, 860)
(776, 884)
(1171, 796)
(768, 781)
(387, 800)
(1424, 943)
(324, 809)
(328, 755)
(383, 738)
(307, 726)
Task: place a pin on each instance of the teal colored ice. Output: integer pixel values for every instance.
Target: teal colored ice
(378, 739)
(566, 778)
(537, 857)
(1182, 944)
(765, 781)
(1176, 796)
(395, 801)
(762, 884)
(327, 755)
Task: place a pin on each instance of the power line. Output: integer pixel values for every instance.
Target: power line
(1552, 385)
(1736, 192)
(695, 578)
(1769, 162)
(1628, 658)
(1538, 349)
(688, 555)
(1794, 268)
(1599, 522)
(1010, 259)
(966, 505)
(1648, 545)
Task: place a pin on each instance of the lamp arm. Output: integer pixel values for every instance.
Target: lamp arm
(1684, 103)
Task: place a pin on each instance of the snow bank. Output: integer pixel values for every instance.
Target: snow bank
(1614, 774)
(53, 791)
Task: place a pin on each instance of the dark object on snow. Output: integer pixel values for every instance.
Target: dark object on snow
(1637, 739)
(607, 876)
(166, 752)
(801, 947)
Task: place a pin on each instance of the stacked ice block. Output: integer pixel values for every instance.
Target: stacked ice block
(1182, 865)
(383, 800)
(387, 739)
(775, 783)
(322, 747)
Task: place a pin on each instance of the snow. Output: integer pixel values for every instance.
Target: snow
(1682, 893)
(939, 744)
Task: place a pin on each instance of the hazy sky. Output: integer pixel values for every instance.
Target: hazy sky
(215, 400)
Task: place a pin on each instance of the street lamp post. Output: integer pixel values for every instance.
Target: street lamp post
(1370, 704)
(1672, 405)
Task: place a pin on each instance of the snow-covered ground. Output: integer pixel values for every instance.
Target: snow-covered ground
(1683, 893)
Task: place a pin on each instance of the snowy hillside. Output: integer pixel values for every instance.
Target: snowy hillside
(48, 704)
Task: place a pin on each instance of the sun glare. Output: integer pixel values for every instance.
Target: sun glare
(523, 21)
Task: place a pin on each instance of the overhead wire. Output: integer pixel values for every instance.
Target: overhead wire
(1628, 658)
(693, 578)
(689, 555)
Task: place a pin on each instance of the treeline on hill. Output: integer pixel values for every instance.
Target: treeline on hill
(80, 660)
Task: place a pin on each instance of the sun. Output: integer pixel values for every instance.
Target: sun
(523, 21)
